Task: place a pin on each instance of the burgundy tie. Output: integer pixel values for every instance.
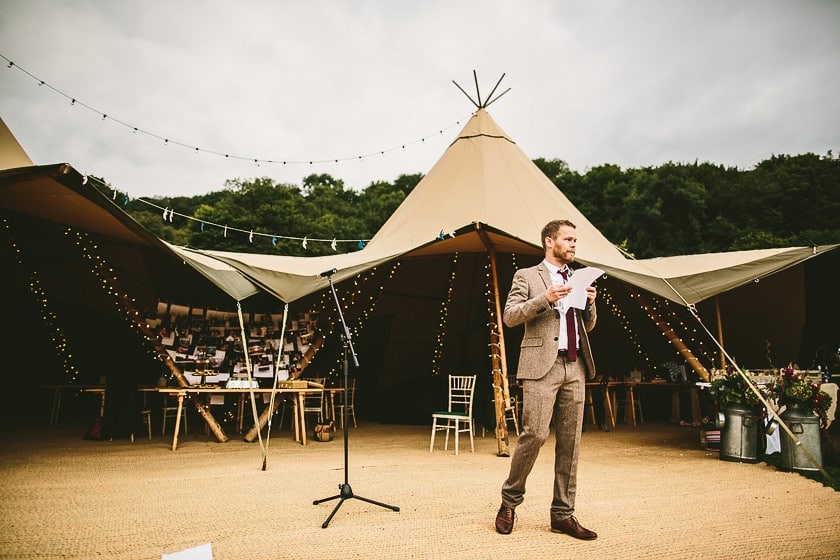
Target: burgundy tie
(571, 345)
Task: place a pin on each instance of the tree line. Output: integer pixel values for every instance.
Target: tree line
(672, 209)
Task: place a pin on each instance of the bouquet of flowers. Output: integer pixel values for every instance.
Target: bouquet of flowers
(791, 389)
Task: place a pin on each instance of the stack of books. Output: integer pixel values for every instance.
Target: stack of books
(710, 439)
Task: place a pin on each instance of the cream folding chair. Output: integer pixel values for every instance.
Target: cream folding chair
(511, 410)
(458, 414)
(511, 413)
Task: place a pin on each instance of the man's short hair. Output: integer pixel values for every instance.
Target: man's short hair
(552, 227)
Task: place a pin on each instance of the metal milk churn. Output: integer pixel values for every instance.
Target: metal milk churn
(739, 434)
(806, 427)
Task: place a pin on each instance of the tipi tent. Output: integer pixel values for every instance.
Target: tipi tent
(422, 294)
(485, 183)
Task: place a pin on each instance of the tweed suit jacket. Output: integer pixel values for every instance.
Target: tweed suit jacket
(526, 303)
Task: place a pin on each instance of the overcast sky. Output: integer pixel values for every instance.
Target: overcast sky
(632, 83)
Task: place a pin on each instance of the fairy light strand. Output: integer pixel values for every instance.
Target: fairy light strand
(352, 300)
(437, 354)
(662, 313)
(689, 333)
(50, 319)
(625, 324)
(108, 281)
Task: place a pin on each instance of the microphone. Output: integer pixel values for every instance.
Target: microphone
(329, 272)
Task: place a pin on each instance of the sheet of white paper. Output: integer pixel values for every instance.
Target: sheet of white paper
(201, 552)
(582, 278)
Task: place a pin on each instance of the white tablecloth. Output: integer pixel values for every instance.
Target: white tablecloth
(831, 389)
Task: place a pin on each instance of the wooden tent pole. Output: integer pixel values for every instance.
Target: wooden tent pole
(720, 333)
(177, 374)
(666, 329)
(212, 424)
(501, 391)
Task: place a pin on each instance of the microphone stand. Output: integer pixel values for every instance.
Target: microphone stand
(345, 491)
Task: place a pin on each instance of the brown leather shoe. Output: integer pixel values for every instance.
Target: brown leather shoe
(571, 527)
(504, 520)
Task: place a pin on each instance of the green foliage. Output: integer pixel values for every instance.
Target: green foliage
(701, 207)
(731, 389)
(321, 208)
(654, 211)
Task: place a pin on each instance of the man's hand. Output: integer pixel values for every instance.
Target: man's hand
(558, 291)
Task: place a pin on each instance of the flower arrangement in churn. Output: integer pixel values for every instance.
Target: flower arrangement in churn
(732, 388)
(792, 389)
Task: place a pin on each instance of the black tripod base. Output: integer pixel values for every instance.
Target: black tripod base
(346, 493)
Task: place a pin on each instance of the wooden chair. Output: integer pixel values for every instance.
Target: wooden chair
(458, 415)
(313, 399)
(351, 404)
(145, 418)
(631, 416)
(170, 410)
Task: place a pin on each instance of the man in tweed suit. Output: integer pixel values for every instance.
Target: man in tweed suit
(554, 363)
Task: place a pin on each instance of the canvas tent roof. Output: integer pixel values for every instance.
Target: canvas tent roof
(482, 193)
(690, 279)
(11, 153)
(58, 194)
(482, 183)
(483, 177)
(485, 183)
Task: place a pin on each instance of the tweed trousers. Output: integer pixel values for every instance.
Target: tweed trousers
(557, 396)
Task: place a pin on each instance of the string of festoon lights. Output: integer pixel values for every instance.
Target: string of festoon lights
(48, 316)
(169, 214)
(443, 316)
(106, 116)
